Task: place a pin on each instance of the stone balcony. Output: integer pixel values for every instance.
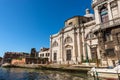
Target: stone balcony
(111, 23)
(96, 2)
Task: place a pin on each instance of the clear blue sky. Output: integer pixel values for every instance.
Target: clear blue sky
(26, 24)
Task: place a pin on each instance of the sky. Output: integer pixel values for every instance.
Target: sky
(26, 24)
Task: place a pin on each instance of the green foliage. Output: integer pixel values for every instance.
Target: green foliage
(18, 58)
(94, 60)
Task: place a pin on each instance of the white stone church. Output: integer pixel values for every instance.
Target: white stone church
(68, 46)
(81, 40)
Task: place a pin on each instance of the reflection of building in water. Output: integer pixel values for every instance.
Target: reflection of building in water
(66, 76)
(88, 38)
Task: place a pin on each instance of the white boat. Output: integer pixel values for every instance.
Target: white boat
(105, 73)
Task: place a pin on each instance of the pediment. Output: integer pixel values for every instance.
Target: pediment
(68, 46)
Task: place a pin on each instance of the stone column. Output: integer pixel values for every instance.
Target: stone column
(62, 49)
(118, 7)
(97, 15)
(74, 46)
(89, 52)
(51, 49)
(60, 56)
(79, 46)
(83, 44)
(98, 52)
(109, 11)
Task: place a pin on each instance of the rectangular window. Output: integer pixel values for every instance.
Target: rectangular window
(104, 18)
(110, 52)
(68, 55)
(108, 36)
(94, 53)
(114, 9)
(42, 55)
(118, 38)
(55, 56)
(115, 12)
(48, 54)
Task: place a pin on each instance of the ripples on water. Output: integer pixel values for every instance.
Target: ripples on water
(32, 74)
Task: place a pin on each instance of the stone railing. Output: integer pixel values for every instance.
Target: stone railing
(105, 25)
(111, 23)
(96, 2)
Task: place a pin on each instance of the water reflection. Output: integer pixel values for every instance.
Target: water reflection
(31, 74)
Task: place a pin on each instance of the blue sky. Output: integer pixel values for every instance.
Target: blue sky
(26, 24)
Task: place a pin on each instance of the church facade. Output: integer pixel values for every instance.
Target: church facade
(89, 38)
(69, 45)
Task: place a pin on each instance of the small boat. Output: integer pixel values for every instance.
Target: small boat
(105, 73)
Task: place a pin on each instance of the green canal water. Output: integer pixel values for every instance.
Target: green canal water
(34, 74)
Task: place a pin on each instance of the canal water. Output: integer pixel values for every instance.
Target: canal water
(34, 74)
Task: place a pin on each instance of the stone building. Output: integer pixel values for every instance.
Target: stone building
(72, 44)
(107, 30)
(18, 61)
(8, 56)
(89, 38)
(29, 60)
(1, 59)
(45, 53)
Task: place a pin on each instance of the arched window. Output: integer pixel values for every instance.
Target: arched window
(104, 13)
(55, 44)
(68, 40)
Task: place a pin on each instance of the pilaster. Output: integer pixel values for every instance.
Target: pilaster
(60, 49)
(89, 52)
(79, 45)
(118, 7)
(97, 15)
(74, 46)
(51, 48)
(83, 44)
(109, 11)
(98, 53)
